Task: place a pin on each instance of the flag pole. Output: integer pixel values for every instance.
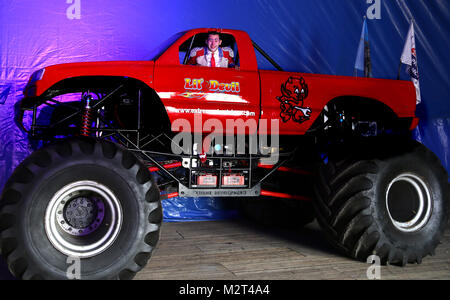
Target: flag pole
(399, 69)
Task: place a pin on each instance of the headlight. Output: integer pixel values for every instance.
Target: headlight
(30, 88)
(36, 76)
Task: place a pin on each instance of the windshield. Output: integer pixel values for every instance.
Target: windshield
(156, 52)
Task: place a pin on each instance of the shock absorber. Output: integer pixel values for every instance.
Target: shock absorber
(86, 120)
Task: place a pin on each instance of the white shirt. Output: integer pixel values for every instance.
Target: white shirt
(216, 57)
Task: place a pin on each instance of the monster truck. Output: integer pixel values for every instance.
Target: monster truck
(113, 139)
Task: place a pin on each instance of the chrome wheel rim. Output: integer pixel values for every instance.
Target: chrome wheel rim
(408, 201)
(83, 219)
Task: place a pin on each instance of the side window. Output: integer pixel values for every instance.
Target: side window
(265, 62)
(197, 44)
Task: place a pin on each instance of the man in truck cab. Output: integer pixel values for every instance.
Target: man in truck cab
(212, 55)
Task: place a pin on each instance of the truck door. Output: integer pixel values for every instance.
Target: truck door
(192, 91)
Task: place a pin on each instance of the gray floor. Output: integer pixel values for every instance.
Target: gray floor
(239, 250)
(242, 251)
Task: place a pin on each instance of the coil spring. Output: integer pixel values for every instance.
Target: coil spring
(86, 121)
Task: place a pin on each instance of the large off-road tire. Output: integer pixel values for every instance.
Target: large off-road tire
(385, 197)
(80, 208)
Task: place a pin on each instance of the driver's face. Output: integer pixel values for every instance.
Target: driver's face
(213, 42)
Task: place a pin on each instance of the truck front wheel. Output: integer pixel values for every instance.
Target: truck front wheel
(79, 209)
(385, 197)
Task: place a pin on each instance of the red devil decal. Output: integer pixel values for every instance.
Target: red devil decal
(293, 93)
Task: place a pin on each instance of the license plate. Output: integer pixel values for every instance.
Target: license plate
(207, 180)
(233, 180)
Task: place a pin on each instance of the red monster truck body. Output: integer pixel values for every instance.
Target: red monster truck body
(247, 92)
(117, 138)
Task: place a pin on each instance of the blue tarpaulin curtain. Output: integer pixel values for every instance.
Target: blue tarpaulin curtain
(301, 35)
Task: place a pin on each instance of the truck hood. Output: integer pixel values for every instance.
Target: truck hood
(45, 78)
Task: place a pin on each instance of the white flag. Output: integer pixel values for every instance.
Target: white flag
(359, 62)
(409, 58)
(362, 61)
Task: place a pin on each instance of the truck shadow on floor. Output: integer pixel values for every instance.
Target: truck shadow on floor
(308, 237)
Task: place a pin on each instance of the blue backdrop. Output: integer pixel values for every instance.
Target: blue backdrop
(301, 35)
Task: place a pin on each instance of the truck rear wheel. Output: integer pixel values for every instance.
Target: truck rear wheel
(388, 198)
(81, 209)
